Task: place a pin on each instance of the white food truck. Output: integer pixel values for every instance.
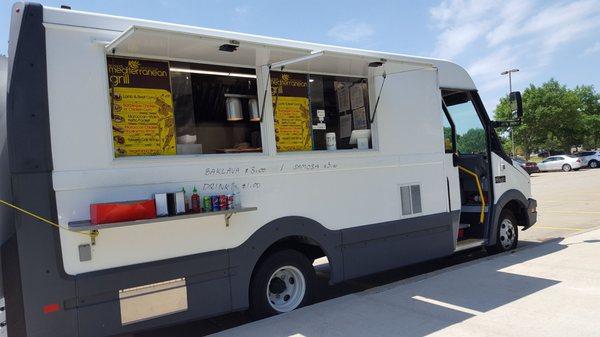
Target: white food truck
(373, 160)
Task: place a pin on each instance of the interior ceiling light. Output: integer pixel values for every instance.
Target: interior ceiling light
(210, 72)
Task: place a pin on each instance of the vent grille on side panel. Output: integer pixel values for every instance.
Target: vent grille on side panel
(410, 197)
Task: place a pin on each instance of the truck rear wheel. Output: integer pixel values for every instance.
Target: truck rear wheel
(507, 235)
(284, 281)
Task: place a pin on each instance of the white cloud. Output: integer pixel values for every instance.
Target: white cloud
(454, 40)
(512, 13)
(561, 15)
(462, 22)
(493, 63)
(491, 36)
(453, 12)
(351, 31)
(592, 50)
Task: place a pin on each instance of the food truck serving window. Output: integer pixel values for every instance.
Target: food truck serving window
(320, 112)
(167, 108)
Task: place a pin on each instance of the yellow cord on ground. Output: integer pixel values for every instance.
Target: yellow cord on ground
(479, 189)
(91, 235)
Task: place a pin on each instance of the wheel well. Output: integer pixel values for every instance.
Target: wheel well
(305, 245)
(518, 210)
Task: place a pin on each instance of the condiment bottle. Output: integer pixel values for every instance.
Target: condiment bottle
(195, 201)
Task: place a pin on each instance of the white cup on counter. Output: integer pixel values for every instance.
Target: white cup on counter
(330, 141)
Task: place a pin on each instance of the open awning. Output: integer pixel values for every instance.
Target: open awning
(353, 64)
(187, 45)
(160, 43)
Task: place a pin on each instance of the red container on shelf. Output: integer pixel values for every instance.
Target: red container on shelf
(122, 211)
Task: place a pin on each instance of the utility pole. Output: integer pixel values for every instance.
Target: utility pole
(509, 73)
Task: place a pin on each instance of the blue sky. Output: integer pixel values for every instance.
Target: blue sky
(543, 39)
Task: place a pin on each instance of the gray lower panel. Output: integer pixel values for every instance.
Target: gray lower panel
(213, 290)
(97, 301)
(374, 248)
(205, 299)
(218, 282)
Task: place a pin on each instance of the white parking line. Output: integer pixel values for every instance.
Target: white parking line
(448, 305)
(572, 212)
(561, 228)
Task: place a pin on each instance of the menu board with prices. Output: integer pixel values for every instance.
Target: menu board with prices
(141, 107)
(293, 125)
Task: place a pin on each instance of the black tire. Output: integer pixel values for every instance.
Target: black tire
(566, 168)
(513, 233)
(259, 304)
(593, 164)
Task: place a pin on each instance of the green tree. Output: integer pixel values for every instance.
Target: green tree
(472, 141)
(590, 109)
(552, 118)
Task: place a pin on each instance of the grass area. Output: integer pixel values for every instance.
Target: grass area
(535, 159)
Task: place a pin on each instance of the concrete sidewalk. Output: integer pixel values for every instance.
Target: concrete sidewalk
(552, 289)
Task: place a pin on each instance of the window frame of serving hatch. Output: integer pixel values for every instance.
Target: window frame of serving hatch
(373, 126)
(126, 160)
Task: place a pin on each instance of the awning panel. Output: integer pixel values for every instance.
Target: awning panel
(170, 44)
(184, 45)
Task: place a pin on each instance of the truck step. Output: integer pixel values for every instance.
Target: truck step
(472, 209)
(468, 244)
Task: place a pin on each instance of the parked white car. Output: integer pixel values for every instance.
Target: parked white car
(590, 158)
(563, 162)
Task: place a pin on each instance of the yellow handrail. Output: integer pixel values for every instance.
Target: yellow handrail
(479, 189)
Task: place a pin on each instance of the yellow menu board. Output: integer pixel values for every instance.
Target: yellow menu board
(142, 107)
(293, 125)
(293, 130)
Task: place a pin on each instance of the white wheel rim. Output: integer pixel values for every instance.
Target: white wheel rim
(507, 234)
(593, 164)
(286, 289)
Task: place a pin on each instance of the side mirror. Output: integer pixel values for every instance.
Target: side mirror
(516, 104)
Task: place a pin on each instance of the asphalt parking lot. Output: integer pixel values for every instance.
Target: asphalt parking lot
(568, 203)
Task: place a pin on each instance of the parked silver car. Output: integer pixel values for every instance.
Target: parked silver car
(590, 158)
(557, 163)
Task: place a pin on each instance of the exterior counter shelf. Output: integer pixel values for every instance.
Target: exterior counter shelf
(86, 225)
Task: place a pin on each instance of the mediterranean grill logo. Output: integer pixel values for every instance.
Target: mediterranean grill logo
(120, 74)
(287, 81)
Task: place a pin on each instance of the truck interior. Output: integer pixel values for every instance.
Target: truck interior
(466, 139)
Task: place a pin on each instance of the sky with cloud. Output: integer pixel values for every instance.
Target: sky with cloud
(542, 38)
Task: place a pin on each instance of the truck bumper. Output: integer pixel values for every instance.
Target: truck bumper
(531, 215)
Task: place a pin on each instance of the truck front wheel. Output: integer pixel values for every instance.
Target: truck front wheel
(507, 234)
(284, 281)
